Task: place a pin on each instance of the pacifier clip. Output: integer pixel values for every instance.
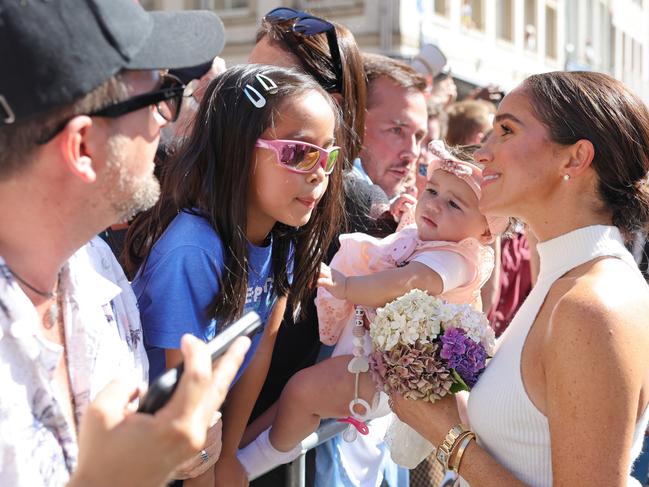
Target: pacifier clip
(357, 365)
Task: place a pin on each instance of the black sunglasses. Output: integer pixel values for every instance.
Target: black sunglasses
(308, 25)
(167, 100)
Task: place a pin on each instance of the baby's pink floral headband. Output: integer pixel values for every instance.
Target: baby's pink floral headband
(467, 172)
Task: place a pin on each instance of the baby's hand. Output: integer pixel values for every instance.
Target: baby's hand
(333, 281)
(401, 205)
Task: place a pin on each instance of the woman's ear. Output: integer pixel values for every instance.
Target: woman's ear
(581, 155)
(74, 148)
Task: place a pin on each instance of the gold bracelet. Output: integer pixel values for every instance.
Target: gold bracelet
(464, 443)
(443, 453)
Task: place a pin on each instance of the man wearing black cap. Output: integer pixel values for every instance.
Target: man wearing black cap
(82, 102)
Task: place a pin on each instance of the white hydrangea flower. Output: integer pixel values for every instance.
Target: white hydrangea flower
(405, 320)
(419, 316)
(475, 325)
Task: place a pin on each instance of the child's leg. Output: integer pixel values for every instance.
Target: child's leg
(261, 423)
(321, 391)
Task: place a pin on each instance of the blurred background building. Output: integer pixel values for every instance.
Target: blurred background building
(485, 41)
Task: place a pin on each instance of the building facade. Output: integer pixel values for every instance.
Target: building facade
(486, 41)
(610, 36)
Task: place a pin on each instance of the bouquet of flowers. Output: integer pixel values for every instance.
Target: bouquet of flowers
(425, 348)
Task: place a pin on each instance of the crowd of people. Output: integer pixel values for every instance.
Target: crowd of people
(312, 185)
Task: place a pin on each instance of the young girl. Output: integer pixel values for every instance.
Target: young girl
(444, 253)
(246, 214)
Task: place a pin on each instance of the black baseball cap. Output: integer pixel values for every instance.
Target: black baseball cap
(193, 72)
(55, 51)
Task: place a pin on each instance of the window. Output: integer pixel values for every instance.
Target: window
(550, 32)
(530, 31)
(324, 4)
(505, 20)
(441, 7)
(473, 14)
(150, 5)
(222, 5)
(640, 54)
(612, 45)
(605, 38)
(625, 67)
(230, 4)
(589, 19)
(636, 58)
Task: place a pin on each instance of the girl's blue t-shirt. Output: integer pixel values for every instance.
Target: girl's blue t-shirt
(180, 280)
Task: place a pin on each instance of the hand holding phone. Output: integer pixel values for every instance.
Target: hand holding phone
(162, 388)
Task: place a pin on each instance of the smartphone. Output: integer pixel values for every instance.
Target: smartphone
(163, 387)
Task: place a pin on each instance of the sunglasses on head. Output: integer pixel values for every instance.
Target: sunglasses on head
(167, 100)
(301, 157)
(308, 25)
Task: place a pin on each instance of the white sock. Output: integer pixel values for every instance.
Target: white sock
(260, 456)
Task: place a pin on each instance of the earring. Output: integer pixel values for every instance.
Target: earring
(566, 177)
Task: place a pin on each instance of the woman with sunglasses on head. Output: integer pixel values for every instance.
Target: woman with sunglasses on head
(246, 210)
(565, 400)
(328, 52)
(325, 51)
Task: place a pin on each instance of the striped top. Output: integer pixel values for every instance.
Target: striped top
(507, 423)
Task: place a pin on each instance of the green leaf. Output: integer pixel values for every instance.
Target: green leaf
(458, 383)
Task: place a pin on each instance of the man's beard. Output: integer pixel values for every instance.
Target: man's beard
(127, 194)
(368, 160)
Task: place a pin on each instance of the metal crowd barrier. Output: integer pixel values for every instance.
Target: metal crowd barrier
(296, 470)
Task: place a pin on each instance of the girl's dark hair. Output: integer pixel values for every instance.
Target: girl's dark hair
(595, 106)
(313, 54)
(210, 174)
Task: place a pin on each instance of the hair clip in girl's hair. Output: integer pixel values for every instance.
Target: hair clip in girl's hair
(255, 97)
(268, 84)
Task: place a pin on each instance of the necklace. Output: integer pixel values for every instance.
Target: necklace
(52, 314)
(53, 311)
(45, 294)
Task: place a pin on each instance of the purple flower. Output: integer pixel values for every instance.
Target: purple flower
(464, 355)
(454, 344)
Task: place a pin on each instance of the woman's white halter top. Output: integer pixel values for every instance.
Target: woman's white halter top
(507, 423)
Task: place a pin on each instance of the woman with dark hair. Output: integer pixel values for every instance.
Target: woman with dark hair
(328, 52)
(248, 207)
(565, 399)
